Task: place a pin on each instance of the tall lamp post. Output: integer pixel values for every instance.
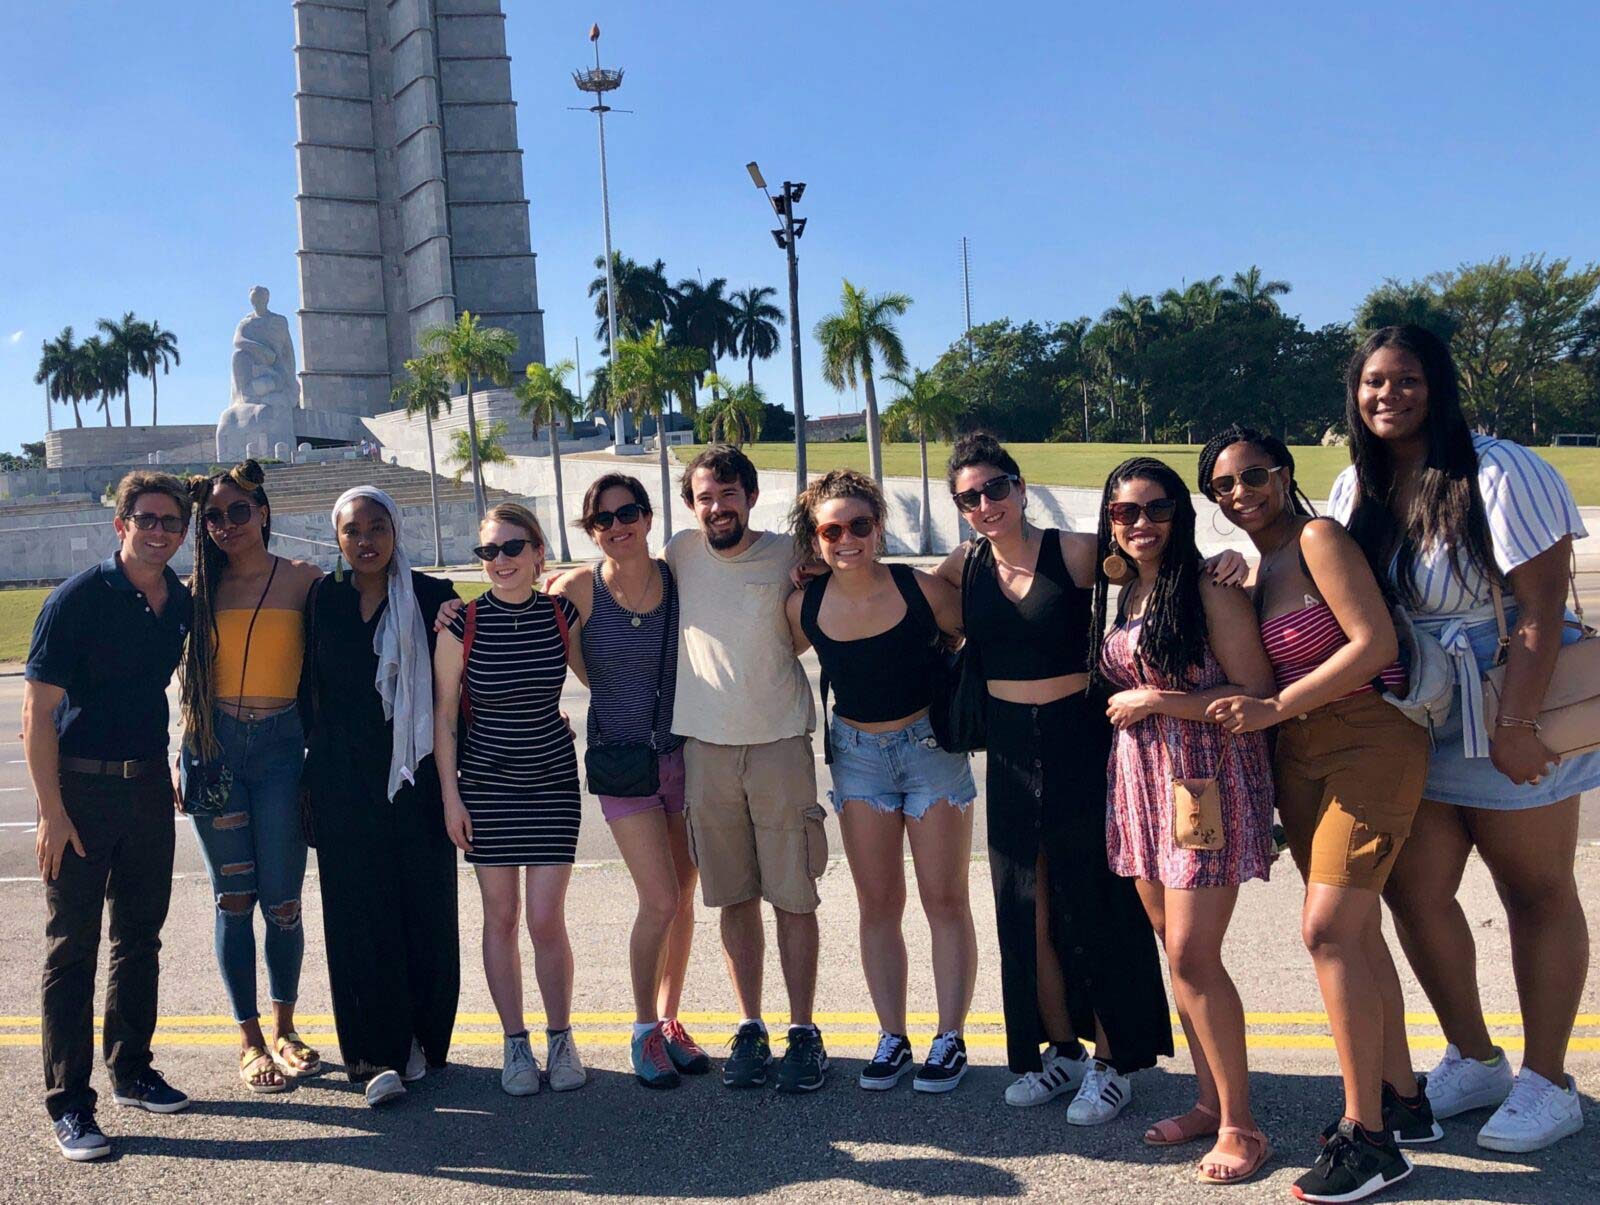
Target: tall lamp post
(599, 80)
(786, 237)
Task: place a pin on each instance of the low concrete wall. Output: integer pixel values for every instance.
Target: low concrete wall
(82, 479)
(77, 447)
(401, 433)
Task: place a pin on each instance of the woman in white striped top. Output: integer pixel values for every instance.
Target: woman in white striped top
(1450, 513)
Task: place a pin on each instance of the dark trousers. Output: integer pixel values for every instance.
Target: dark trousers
(126, 827)
(388, 878)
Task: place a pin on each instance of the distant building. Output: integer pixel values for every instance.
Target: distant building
(836, 427)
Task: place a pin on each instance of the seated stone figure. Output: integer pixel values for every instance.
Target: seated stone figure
(266, 391)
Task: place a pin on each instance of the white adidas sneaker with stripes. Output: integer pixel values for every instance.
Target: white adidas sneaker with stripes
(1101, 1097)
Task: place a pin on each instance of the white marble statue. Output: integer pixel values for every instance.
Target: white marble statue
(266, 390)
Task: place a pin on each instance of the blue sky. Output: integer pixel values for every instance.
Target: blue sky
(1083, 149)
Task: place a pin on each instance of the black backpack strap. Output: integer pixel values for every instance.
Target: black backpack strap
(810, 604)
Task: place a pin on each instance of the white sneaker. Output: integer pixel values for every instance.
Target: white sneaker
(1535, 1115)
(1458, 1085)
(384, 1087)
(416, 1065)
(1060, 1074)
(520, 1075)
(566, 1070)
(1102, 1095)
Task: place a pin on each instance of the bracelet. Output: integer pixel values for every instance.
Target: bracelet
(1511, 721)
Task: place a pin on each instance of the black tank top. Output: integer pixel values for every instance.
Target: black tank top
(883, 677)
(1046, 635)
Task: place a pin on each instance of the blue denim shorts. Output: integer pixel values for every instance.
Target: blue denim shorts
(902, 771)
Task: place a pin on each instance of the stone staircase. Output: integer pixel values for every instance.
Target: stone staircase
(308, 488)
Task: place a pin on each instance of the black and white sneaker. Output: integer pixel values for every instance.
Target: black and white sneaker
(1408, 1122)
(890, 1063)
(947, 1063)
(1352, 1167)
(152, 1092)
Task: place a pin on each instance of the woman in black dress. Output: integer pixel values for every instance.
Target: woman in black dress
(387, 866)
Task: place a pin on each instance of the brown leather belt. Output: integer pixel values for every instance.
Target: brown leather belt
(112, 769)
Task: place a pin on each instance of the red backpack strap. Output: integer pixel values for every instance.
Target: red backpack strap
(467, 635)
(561, 625)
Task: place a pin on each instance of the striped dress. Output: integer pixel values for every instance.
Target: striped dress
(517, 764)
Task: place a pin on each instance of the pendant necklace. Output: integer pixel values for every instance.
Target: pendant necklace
(634, 618)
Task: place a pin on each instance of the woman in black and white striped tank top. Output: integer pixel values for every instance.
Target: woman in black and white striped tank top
(628, 604)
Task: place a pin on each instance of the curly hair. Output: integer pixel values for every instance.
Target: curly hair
(978, 447)
(1270, 446)
(725, 463)
(1174, 639)
(836, 483)
(197, 689)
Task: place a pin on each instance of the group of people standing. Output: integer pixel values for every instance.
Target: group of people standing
(1135, 755)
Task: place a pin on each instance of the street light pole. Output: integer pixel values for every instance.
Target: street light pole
(600, 80)
(786, 238)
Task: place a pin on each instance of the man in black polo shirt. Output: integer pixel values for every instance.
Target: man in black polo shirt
(94, 722)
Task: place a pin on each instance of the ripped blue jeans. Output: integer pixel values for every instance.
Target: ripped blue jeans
(255, 853)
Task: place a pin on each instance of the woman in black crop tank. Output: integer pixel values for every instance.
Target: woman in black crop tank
(1077, 954)
(879, 630)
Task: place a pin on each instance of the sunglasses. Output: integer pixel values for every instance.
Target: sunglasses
(996, 489)
(237, 513)
(171, 524)
(861, 527)
(1254, 477)
(1126, 514)
(512, 549)
(627, 515)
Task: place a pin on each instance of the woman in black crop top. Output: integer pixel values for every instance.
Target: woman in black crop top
(1077, 954)
(878, 630)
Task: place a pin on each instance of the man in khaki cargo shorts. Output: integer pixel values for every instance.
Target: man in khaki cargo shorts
(743, 702)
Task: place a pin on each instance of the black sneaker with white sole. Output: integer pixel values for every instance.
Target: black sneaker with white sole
(891, 1063)
(947, 1063)
(805, 1062)
(1352, 1167)
(152, 1092)
(1408, 1122)
(79, 1138)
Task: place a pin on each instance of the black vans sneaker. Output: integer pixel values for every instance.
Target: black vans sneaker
(151, 1091)
(1352, 1167)
(890, 1063)
(947, 1063)
(751, 1056)
(1410, 1122)
(805, 1062)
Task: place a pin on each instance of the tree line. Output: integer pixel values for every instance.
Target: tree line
(103, 366)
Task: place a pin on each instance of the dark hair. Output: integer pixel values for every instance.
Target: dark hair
(835, 483)
(198, 694)
(141, 482)
(978, 447)
(1270, 445)
(1447, 510)
(726, 463)
(591, 497)
(1174, 639)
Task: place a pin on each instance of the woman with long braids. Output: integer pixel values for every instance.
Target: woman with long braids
(1349, 770)
(1454, 517)
(1077, 956)
(242, 751)
(1180, 642)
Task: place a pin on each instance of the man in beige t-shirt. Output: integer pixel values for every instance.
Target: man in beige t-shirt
(743, 701)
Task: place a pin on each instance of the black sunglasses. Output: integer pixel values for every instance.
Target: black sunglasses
(171, 524)
(512, 549)
(996, 489)
(861, 527)
(627, 515)
(1126, 514)
(1255, 477)
(236, 514)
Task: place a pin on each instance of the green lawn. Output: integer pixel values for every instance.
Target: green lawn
(1088, 464)
(18, 610)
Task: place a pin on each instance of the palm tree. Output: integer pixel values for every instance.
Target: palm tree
(469, 351)
(643, 297)
(425, 389)
(1196, 306)
(702, 317)
(597, 402)
(154, 351)
(927, 406)
(547, 402)
(753, 332)
(58, 368)
(488, 448)
(648, 370)
(734, 413)
(1256, 297)
(102, 372)
(1133, 322)
(1073, 335)
(863, 326)
(122, 337)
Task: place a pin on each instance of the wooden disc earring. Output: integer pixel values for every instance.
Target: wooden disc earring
(1114, 567)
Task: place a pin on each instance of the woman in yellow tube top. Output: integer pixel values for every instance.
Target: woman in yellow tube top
(242, 752)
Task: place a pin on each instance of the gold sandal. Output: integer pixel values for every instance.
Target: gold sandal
(258, 1078)
(293, 1057)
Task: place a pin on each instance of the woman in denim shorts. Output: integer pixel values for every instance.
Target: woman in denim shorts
(879, 632)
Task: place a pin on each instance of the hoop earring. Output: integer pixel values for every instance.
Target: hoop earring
(1215, 515)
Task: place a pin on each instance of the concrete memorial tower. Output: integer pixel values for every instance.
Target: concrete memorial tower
(410, 193)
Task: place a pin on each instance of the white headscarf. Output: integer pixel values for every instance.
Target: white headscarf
(405, 671)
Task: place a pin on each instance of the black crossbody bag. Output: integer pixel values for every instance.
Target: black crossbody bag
(633, 769)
